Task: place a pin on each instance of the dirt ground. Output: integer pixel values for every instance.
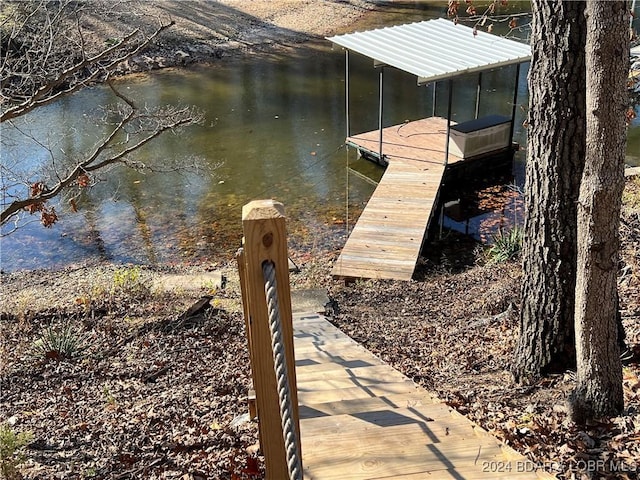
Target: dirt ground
(206, 31)
(147, 391)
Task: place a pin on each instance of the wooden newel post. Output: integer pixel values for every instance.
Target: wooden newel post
(265, 240)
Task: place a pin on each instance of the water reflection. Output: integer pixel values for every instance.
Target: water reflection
(270, 132)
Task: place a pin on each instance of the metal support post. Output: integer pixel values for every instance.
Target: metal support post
(380, 88)
(478, 90)
(515, 102)
(433, 110)
(346, 83)
(446, 148)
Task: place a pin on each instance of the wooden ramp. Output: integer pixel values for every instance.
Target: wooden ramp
(387, 239)
(362, 419)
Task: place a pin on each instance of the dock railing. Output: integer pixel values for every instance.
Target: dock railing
(264, 277)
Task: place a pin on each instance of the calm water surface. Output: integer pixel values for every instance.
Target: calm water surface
(274, 128)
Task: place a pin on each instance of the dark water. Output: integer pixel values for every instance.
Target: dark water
(274, 128)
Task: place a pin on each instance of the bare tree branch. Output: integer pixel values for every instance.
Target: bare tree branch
(177, 117)
(44, 95)
(48, 51)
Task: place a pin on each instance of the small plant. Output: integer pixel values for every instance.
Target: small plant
(210, 286)
(506, 246)
(128, 281)
(11, 451)
(58, 343)
(126, 278)
(90, 473)
(109, 398)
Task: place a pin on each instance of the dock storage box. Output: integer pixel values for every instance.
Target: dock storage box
(469, 139)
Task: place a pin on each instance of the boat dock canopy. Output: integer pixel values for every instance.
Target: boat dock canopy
(387, 239)
(435, 49)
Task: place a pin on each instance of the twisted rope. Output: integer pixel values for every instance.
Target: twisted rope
(289, 428)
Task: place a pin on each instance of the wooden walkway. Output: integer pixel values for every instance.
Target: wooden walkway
(387, 239)
(361, 419)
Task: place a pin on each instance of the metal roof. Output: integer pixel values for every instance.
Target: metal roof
(435, 49)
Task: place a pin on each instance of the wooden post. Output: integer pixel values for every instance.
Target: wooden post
(265, 239)
(251, 395)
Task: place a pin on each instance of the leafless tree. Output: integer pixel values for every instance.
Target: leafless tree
(555, 158)
(53, 48)
(599, 369)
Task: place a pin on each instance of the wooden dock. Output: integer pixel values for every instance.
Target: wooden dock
(362, 419)
(387, 239)
(419, 141)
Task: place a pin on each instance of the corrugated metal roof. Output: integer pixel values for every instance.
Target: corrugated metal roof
(435, 49)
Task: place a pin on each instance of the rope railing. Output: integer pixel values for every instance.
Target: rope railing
(266, 296)
(289, 430)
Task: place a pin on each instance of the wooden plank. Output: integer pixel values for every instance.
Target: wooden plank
(522, 469)
(421, 435)
(317, 344)
(306, 367)
(386, 241)
(391, 384)
(356, 405)
(406, 457)
(435, 422)
(395, 456)
(320, 357)
(362, 419)
(309, 397)
(381, 372)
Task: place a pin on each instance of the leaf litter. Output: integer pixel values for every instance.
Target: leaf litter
(153, 394)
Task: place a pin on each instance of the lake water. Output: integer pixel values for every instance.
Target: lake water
(274, 128)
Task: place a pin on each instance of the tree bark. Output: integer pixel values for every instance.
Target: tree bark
(599, 370)
(555, 159)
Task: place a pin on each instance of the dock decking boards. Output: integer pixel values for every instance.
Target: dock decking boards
(388, 236)
(362, 419)
(419, 140)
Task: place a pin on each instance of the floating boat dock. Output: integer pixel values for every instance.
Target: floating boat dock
(362, 419)
(388, 237)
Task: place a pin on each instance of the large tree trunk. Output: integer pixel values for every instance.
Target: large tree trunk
(599, 371)
(555, 156)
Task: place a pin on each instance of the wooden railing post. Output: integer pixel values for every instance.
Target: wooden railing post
(265, 240)
(242, 268)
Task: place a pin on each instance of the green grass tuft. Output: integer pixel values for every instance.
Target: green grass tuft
(506, 246)
(58, 343)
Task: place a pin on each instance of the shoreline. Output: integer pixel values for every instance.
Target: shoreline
(238, 28)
